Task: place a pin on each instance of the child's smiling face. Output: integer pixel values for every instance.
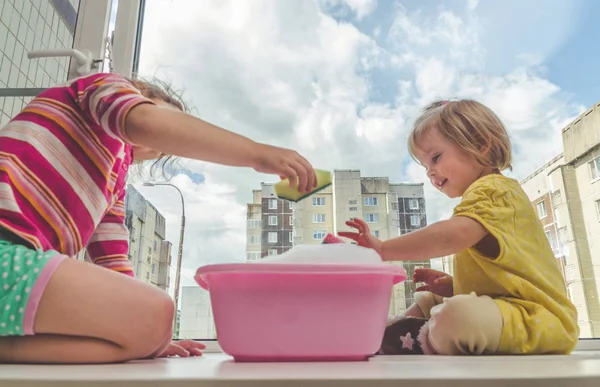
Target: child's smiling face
(449, 168)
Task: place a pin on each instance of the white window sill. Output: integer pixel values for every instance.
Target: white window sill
(217, 369)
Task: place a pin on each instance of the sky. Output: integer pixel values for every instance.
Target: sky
(340, 81)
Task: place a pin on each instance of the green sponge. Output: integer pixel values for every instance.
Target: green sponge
(284, 191)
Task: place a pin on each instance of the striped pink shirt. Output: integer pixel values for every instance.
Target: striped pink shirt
(63, 165)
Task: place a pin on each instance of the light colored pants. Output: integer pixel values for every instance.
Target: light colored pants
(465, 324)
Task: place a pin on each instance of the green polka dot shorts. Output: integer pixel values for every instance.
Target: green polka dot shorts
(24, 273)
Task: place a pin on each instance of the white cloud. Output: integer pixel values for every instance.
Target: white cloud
(360, 8)
(291, 75)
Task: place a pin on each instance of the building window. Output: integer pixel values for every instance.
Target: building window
(594, 166)
(352, 202)
(371, 201)
(291, 236)
(291, 205)
(272, 220)
(556, 197)
(598, 209)
(375, 233)
(291, 220)
(319, 234)
(253, 256)
(562, 235)
(155, 245)
(372, 218)
(550, 239)
(569, 273)
(415, 220)
(541, 209)
(413, 204)
(272, 252)
(272, 237)
(254, 239)
(318, 201)
(153, 269)
(353, 209)
(273, 204)
(318, 218)
(254, 223)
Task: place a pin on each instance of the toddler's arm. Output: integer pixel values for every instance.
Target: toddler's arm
(436, 240)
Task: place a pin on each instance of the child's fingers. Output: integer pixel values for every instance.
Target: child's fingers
(424, 288)
(422, 275)
(349, 235)
(187, 344)
(303, 179)
(290, 175)
(446, 280)
(177, 350)
(195, 352)
(362, 225)
(311, 176)
(427, 275)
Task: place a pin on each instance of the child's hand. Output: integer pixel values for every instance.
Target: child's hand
(183, 348)
(435, 281)
(363, 237)
(286, 163)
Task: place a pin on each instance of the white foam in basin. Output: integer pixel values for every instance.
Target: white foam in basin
(336, 253)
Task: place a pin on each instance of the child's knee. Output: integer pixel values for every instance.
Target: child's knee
(465, 324)
(154, 328)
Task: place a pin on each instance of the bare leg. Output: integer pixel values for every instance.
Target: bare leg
(414, 311)
(89, 314)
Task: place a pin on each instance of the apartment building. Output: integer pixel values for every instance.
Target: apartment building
(566, 195)
(269, 224)
(149, 252)
(196, 317)
(274, 225)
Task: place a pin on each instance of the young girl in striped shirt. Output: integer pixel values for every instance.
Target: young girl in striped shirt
(63, 166)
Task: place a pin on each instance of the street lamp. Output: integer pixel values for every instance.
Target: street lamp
(180, 252)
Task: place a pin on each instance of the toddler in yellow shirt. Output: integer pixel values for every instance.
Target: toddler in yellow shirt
(507, 296)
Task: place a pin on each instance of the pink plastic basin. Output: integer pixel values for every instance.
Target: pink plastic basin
(299, 312)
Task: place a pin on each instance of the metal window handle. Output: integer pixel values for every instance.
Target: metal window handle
(83, 60)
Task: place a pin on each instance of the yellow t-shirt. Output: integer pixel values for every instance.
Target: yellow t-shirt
(524, 280)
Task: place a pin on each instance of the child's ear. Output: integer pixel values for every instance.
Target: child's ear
(484, 149)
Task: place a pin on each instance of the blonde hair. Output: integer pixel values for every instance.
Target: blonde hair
(166, 165)
(472, 126)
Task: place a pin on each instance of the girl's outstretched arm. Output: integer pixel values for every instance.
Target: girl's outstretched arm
(173, 132)
(436, 240)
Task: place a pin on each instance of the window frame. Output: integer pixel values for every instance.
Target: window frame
(411, 201)
(414, 216)
(270, 218)
(269, 239)
(539, 205)
(317, 216)
(370, 201)
(316, 234)
(318, 201)
(122, 45)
